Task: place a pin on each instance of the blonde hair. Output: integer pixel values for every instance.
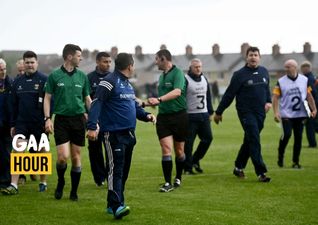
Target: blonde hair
(306, 63)
(19, 62)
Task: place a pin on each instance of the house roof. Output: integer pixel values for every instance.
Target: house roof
(210, 62)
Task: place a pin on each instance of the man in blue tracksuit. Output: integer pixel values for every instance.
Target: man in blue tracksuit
(306, 70)
(250, 86)
(95, 148)
(27, 107)
(5, 120)
(115, 110)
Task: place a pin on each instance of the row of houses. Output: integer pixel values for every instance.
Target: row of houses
(217, 66)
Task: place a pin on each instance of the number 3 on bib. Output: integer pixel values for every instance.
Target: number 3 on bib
(202, 105)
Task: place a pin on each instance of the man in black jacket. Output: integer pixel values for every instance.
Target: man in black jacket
(250, 87)
(95, 148)
(310, 122)
(5, 119)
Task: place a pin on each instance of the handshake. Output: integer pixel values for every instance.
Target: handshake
(149, 102)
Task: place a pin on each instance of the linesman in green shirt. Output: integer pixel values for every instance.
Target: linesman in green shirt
(70, 88)
(172, 120)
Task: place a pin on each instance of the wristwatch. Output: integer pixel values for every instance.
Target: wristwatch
(46, 118)
(159, 99)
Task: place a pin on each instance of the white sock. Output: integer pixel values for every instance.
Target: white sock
(14, 185)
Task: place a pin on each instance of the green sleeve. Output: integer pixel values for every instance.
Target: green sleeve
(49, 85)
(179, 80)
(86, 88)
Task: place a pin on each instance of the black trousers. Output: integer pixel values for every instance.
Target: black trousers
(251, 147)
(119, 147)
(97, 159)
(296, 126)
(310, 132)
(5, 149)
(203, 130)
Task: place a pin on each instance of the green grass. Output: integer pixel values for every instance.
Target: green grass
(215, 197)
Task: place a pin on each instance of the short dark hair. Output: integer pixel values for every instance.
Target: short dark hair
(29, 54)
(102, 54)
(165, 53)
(252, 49)
(123, 60)
(70, 49)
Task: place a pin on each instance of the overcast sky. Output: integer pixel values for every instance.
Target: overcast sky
(45, 26)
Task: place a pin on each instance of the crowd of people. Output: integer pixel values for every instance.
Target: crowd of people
(103, 106)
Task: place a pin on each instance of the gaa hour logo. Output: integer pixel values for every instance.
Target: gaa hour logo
(39, 163)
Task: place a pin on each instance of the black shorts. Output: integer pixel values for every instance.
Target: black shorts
(69, 129)
(175, 124)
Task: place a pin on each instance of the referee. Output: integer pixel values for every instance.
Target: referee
(116, 109)
(70, 88)
(172, 118)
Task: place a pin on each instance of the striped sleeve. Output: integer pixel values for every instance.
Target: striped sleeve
(106, 84)
(104, 90)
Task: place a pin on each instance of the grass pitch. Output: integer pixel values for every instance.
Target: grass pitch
(215, 197)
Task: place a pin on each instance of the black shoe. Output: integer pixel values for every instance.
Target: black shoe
(263, 178)
(22, 179)
(312, 146)
(58, 194)
(100, 184)
(280, 163)
(189, 172)
(197, 167)
(59, 190)
(176, 183)
(73, 197)
(167, 187)
(33, 177)
(239, 173)
(296, 166)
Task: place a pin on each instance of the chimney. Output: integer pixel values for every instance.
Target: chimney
(85, 53)
(188, 50)
(163, 46)
(113, 52)
(138, 50)
(94, 54)
(275, 50)
(216, 50)
(244, 48)
(307, 48)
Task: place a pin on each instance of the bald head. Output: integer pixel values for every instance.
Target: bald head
(291, 62)
(291, 67)
(196, 67)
